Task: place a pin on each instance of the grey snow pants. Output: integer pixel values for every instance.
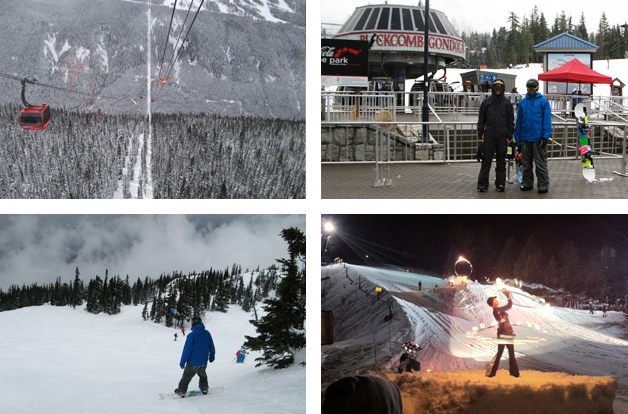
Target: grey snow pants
(532, 151)
(188, 374)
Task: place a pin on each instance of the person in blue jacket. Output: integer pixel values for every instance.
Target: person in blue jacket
(198, 349)
(532, 130)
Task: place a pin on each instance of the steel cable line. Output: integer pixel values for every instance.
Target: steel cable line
(374, 251)
(167, 37)
(59, 88)
(62, 89)
(178, 38)
(182, 43)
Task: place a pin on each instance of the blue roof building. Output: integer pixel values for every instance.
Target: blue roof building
(565, 43)
(559, 50)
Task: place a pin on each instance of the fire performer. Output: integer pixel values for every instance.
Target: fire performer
(504, 331)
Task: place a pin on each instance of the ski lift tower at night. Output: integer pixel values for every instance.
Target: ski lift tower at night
(397, 52)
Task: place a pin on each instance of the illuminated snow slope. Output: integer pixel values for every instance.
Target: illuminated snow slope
(441, 320)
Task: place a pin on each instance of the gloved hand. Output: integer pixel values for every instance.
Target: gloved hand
(480, 153)
(182, 366)
(511, 150)
(211, 360)
(543, 143)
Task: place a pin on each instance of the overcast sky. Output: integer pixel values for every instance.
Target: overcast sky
(39, 248)
(486, 15)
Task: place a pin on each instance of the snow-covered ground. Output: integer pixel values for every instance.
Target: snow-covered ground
(58, 360)
(442, 319)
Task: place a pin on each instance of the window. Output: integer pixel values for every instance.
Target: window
(360, 25)
(395, 20)
(383, 19)
(407, 20)
(439, 26)
(371, 24)
(419, 23)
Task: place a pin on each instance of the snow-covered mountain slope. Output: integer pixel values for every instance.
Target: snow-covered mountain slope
(261, 9)
(441, 320)
(240, 57)
(63, 361)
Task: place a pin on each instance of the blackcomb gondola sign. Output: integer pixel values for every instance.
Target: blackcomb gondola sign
(344, 62)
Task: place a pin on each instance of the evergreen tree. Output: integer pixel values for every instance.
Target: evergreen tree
(77, 289)
(571, 268)
(282, 329)
(145, 312)
(581, 29)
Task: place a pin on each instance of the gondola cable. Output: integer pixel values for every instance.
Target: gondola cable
(182, 43)
(163, 54)
(162, 81)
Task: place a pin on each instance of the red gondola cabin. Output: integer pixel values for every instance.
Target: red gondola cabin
(35, 117)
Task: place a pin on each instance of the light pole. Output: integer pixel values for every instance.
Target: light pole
(426, 80)
(327, 231)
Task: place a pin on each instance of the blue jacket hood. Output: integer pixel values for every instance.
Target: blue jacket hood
(534, 118)
(199, 347)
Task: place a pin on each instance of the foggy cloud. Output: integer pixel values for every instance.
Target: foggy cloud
(40, 248)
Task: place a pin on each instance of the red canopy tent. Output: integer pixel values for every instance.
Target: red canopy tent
(574, 71)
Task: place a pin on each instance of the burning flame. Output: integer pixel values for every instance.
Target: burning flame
(499, 284)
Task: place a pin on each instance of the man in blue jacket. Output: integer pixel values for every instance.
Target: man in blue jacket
(198, 349)
(532, 130)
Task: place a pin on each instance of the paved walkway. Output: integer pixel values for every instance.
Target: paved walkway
(458, 180)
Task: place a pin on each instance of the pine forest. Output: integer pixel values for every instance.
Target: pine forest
(512, 45)
(88, 155)
(175, 298)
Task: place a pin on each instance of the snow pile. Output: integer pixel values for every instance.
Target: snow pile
(57, 360)
(471, 392)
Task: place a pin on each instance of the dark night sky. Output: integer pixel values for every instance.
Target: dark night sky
(421, 241)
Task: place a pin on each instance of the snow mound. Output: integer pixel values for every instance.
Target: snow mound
(471, 392)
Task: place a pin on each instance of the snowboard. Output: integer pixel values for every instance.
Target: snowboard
(193, 393)
(518, 158)
(510, 157)
(584, 135)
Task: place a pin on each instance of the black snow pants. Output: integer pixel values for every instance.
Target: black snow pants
(498, 147)
(494, 366)
(188, 374)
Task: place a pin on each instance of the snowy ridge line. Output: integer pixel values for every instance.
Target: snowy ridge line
(263, 10)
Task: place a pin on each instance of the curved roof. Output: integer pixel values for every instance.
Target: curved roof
(392, 17)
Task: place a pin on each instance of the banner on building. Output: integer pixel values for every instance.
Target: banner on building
(344, 62)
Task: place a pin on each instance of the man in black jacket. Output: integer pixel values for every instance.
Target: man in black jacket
(495, 128)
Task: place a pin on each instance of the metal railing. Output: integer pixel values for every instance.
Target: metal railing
(365, 105)
(366, 127)
(386, 143)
